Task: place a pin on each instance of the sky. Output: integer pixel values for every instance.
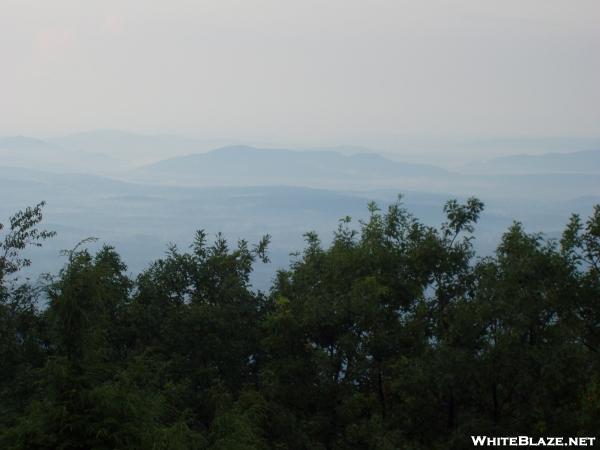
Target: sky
(292, 70)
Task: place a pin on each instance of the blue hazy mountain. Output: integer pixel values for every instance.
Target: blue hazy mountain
(24, 143)
(586, 161)
(134, 147)
(26, 152)
(239, 165)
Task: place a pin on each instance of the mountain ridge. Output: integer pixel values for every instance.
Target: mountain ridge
(276, 165)
(582, 161)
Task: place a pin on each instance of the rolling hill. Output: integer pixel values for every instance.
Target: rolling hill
(239, 165)
(586, 161)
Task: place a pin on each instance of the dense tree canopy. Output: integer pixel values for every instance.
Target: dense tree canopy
(396, 335)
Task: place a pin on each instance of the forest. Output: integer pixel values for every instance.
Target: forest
(395, 335)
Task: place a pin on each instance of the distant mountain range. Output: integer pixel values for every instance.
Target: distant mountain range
(99, 152)
(25, 152)
(140, 148)
(173, 159)
(587, 161)
(25, 143)
(239, 165)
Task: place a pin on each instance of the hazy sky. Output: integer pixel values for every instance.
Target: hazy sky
(292, 69)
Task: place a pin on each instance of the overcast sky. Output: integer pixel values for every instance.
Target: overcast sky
(296, 69)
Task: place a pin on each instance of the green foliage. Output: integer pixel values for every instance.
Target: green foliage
(21, 233)
(393, 336)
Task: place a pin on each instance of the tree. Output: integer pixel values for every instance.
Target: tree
(22, 331)
(396, 335)
(21, 233)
